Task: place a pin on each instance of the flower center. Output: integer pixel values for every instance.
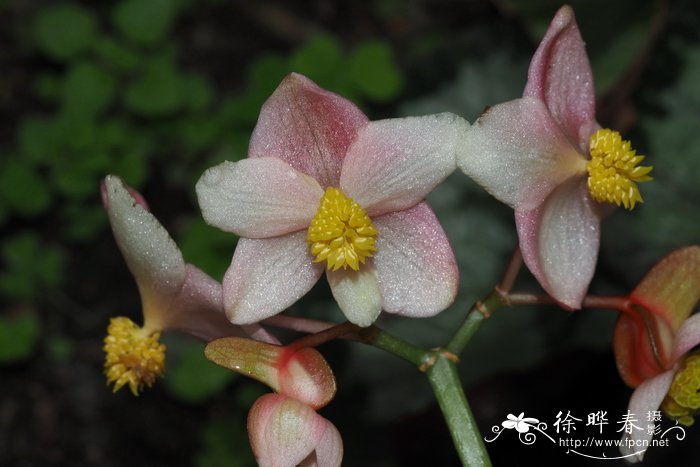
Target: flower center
(341, 233)
(683, 399)
(133, 357)
(614, 170)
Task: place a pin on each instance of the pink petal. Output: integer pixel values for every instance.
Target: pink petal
(197, 310)
(329, 450)
(647, 397)
(560, 75)
(149, 251)
(415, 263)
(688, 336)
(518, 153)
(393, 164)
(307, 127)
(283, 431)
(267, 276)
(258, 198)
(357, 293)
(559, 242)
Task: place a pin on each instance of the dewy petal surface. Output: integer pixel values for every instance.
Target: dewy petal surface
(518, 153)
(393, 164)
(647, 397)
(559, 241)
(307, 127)
(267, 276)
(560, 75)
(258, 198)
(416, 267)
(149, 251)
(357, 293)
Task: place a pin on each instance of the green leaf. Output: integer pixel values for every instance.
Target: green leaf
(144, 22)
(320, 59)
(48, 86)
(224, 443)
(158, 91)
(18, 337)
(82, 222)
(373, 71)
(23, 188)
(36, 138)
(191, 377)
(199, 93)
(87, 91)
(116, 54)
(63, 31)
(30, 267)
(199, 133)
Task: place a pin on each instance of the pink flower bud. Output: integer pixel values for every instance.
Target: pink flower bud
(285, 433)
(301, 374)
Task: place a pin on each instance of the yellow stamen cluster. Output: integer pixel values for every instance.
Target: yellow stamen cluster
(614, 170)
(341, 233)
(133, 356)
(683, 399)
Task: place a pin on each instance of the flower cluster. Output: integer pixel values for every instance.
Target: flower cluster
(326, 190)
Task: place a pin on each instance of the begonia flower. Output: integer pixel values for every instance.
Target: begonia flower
(284, 432)
(653, 339)
(325, 189)
(546, 156)
(174, 295)
(284, 428)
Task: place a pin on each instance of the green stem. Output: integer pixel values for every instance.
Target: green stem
(465, 433)
(392, 344)
(475, 318)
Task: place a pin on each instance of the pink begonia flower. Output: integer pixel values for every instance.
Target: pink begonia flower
(653, 336)
(285, 433)
(546, 156)
(325, 189)
(174, 295)
(284, 428)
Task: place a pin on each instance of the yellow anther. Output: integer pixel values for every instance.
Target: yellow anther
(133, 356)
(683, 399)
(341, 233)
(614, 170)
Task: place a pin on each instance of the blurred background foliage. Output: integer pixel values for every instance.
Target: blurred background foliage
(157, 91)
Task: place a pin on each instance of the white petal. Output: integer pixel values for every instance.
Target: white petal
(357, 293)
(517, 152)
(267, 276)
(687, 337)
(559, 242)
(415, 263)
(150, 253)
(647, 397)
(258, 198)
(393, 164)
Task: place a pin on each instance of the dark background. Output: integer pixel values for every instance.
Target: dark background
(158, 91)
